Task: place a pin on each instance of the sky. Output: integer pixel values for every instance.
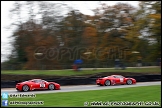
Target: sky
(84, 7)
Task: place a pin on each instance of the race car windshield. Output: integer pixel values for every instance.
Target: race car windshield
(118, 76)
(37, 81)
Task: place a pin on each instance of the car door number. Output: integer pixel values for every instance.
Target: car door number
(121, 79)
(42, 85)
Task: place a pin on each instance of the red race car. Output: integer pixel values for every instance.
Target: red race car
(37, 84)
(115, 80)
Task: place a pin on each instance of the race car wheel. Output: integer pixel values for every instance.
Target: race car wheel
(107, 83)
(25, 88)
(51, 87)
(129, 82)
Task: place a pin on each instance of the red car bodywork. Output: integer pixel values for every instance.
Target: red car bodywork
(37, 84)
(115, 80)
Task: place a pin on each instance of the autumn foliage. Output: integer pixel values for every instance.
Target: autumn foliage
(118, 27)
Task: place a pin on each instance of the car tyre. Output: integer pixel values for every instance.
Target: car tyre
(129, 82)
(107, 83)
(25, 88)
(51, 86)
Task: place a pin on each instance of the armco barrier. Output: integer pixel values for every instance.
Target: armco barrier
(84, 81)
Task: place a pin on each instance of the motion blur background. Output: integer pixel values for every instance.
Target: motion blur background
(52, 35)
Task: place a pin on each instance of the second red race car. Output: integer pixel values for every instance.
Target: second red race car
(115, 80)
(37, 84)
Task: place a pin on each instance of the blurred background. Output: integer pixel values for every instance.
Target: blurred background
(52, 35)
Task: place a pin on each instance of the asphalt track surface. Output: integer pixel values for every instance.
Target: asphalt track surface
(80, 88)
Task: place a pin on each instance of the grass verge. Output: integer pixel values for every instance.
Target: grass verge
(148, 94)
(83, 72)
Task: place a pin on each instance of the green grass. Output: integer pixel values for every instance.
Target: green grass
(77, 99)
(83, 72)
